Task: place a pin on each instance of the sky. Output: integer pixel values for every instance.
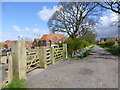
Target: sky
(29, 19)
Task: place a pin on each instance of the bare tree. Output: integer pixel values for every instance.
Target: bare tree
(114, 6)
(72, 16)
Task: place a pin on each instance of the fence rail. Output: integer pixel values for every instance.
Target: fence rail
(33, 59)
(58, 54)
(6, 71)
(48, 56)
(23, 61)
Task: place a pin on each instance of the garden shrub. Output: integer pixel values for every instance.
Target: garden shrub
(103, 44)
(110, 43)
(75, 45)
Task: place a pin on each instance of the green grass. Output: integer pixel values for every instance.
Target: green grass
(85, 54)
(112, 49)
(16, 83)
(29, 58)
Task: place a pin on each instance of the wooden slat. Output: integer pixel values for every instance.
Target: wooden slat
(32, 68)
(32, 63)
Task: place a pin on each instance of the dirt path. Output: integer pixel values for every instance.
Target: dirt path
(98, 70)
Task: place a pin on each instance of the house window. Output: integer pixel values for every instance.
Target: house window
(47, 40)
(52, 41)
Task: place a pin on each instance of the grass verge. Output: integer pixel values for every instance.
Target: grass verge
(16, 83)
(113, 49)
(85, 54)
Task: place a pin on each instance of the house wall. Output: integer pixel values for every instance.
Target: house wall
(45, 43)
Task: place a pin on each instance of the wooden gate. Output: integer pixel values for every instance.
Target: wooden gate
(58, 54)
(33, 59)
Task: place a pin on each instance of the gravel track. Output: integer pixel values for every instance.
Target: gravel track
(98, 70)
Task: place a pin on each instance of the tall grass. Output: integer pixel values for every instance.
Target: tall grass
(85, 54)
(16, 83)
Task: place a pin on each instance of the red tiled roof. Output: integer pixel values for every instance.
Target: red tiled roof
(46, 37)
(6, 43)
(9, 42)
(36, 39)
(53, 37)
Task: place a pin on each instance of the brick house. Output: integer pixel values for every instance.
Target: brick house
(28, 45)
(35, 42)
(49, 40)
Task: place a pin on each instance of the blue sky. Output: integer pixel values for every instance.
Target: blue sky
(23, 15)
(29, 19)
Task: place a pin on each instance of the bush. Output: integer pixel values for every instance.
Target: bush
(75, 45)
(103, 44)
(60, 44)
(110, 43)
(85, 43)
(118, 42)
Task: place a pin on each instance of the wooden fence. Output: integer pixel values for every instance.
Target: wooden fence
(42, 57)
(32, 59)
(20, 61)
(6, 72)
(25, 61)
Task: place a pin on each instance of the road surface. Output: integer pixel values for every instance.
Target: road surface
(98, 70)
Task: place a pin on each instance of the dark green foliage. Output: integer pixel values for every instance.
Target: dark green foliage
(110, 43)
(60, 44)
(109, 46)
(114, 50)
(75, 45)
(103, 44)
(118, 42)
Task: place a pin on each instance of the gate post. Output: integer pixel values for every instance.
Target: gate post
(52, 55)
(65, 50)
(43, 61)
(19, 59)
(10, 67)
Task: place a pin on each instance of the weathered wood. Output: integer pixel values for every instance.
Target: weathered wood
(19, 59)
(43, 61)
(32, 59)
(52, 55)
(10, 67)
(65, 50)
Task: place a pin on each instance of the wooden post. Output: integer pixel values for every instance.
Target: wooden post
(10, 67)
(19, 59)
(43, 61)
(52, 55)
(65, 50)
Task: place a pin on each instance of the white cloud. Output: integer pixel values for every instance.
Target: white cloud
(27, 32)
(36, 30)
(46, 13)
(105, 29)
(16, 28)
(27, 29)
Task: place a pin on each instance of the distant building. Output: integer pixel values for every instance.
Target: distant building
(7, 45)
(109, 38)
(49, 40)
(28, 45)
